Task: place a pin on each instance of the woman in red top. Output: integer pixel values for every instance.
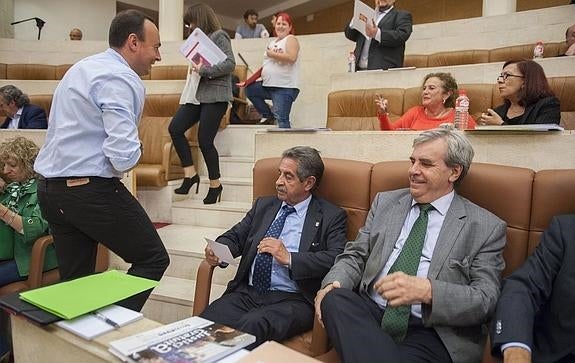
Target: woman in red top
(437, 100)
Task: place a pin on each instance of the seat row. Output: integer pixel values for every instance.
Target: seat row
(531, 199)
(356, 109)
(475, 56)
(178, 72)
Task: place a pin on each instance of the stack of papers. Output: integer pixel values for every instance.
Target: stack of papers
(100, 321)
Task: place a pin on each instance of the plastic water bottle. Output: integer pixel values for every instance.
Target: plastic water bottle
(538, 50)
(461, 110)
(351, 62)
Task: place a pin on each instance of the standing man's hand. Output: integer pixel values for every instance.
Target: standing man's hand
(371, 29)
(319, 297)
(516, 355)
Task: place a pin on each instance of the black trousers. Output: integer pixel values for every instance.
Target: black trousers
(353, 323)
(209, 116)
(101, 211)
(274, 315)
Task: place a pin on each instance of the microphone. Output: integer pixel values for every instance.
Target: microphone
(39, 23)
(244, 61)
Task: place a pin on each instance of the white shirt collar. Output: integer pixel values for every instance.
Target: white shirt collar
(441, 204)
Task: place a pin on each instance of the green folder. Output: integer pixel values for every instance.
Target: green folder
(73, 298)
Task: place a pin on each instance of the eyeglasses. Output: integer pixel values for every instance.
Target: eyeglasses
(503, 76)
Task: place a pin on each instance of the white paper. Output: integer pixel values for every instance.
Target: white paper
(361, 15)
(89, 326)
(198, 47)
(520, 128)
(221, 251)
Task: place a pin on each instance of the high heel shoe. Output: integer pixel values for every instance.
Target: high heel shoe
(187, 184)
(214, 194)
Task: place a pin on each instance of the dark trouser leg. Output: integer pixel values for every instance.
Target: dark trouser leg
(210, 116)
(102, 211)
(186, 116)
(258, 95)
(271, 316)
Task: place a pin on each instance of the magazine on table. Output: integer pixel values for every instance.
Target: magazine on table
(200, 48)
(190, 340)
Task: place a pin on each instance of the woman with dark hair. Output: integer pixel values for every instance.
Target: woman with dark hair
(279, 73)
(207, 105)
(528, 97)
(438, 95)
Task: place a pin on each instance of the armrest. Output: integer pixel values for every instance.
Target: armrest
(203, 287)
(166, 151)
(319, 339)
(240, 100)
(37, 261)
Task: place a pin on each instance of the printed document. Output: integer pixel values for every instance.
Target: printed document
(361, 15)
(200, 48)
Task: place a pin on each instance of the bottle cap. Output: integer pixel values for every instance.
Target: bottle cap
(462, 91)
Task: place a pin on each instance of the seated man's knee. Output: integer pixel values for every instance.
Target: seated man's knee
(333, 298)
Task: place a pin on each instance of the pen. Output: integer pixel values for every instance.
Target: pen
(105, 319)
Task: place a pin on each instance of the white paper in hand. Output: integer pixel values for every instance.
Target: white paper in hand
(361, 15)
(199, 48)
(221, 251)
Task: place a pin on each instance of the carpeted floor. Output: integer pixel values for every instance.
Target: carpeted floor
(159, 225)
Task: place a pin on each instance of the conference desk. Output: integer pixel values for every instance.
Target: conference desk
(52, 344)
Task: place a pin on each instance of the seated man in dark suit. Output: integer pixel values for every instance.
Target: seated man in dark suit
(20, 114)
(288, 243)
(387, 33)
(535, 316)
(420, 281)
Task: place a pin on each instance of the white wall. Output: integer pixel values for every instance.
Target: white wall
(93, 17)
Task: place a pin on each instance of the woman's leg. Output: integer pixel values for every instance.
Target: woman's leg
(9, 272)
(210, 116)
(257, 94)
(186, 116)
(282, 99)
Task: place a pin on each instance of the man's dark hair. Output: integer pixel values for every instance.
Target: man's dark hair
(125, 23)
(12, 93)
(250, 12)
(309, 163)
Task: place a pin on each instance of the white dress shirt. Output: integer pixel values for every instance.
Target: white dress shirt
(363, 58)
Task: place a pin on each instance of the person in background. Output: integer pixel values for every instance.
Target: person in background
(438, 96)
(207, 104)
(387, 33)
(21, 221)
(273, 24)
(280, 75)
(422, 278)
(75, 34)
(535, 320)
(570, 40)
(287, 243)
(528, 99)
(250, 27)
(92, 140)
(20, 114)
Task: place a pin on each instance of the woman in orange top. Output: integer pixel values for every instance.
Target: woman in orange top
(437, 101)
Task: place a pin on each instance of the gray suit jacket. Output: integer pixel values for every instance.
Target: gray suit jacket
(216, 82)
(465, 267)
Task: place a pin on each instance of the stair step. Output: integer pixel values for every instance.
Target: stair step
(173, 299)
(232, 166)
(238, 140)
(236, 189)
(221, 215)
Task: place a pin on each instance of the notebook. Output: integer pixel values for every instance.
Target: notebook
(14, 305)
(100, 321)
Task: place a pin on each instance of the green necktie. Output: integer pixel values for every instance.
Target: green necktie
(395, 318)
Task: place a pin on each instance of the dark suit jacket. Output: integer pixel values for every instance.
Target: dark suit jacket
(544, 111)
(537, 304)
(322, 239)
(33, 117)
(395, 30)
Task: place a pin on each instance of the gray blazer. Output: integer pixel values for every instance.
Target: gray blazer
(465, 267)
(216, 80)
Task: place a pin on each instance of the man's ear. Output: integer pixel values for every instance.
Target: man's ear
(132, 42)
(455, 173)
(309, 183)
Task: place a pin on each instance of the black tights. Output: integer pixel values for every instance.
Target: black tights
(209, 116)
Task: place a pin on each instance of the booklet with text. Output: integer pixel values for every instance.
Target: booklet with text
(200, 48)
(362, 14)
(190, 340)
